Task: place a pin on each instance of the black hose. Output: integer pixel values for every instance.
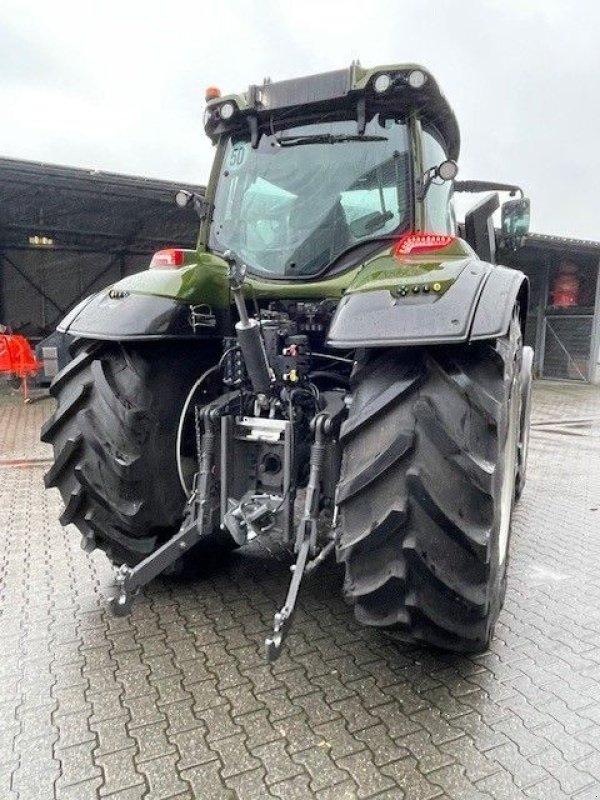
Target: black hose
(329, 375)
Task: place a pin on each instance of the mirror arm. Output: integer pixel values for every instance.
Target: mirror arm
(424, 182)
(487, 186)
(201, 206)
(196, 200)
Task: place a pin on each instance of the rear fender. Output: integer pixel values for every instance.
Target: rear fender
(117, 315)
(503, 290)
(477, 306)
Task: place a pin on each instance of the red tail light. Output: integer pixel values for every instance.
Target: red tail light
(168, 259)
(412, 244)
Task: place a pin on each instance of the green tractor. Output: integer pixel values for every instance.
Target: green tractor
(334, 366)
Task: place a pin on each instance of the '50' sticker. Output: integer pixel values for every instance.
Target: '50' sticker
(236, 157)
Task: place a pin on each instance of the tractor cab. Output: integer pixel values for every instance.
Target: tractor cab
(313, 175)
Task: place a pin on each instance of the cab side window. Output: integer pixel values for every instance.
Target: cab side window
(439, 206)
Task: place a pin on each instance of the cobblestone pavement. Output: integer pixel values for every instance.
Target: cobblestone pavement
(177, 702)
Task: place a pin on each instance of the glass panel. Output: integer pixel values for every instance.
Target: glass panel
(292, 209)
(439, 209)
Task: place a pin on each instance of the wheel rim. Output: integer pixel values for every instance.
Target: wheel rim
(524, 442)
(509, 472)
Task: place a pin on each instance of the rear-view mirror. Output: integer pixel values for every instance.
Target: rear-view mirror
(515, 218)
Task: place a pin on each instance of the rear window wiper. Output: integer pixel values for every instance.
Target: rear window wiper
(327, 138)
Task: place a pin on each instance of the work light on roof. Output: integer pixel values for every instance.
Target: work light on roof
(382, 83)
(417, 79)
(227, 111)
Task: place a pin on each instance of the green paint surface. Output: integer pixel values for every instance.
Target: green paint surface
(204, 279)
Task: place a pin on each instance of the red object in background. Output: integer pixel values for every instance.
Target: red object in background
(565, 290)
(16, 356)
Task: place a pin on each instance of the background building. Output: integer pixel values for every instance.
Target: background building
(65, 233)
(564, 310)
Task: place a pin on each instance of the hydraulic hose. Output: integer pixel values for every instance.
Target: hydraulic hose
(184, 411)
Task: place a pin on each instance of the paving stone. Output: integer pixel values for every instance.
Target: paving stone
(590, 764)
(79, 791)
(410, 779)
(9, 743)
(484, 736)
(242, 698)
(445, 701)
(296, 788)
(408, 700)
(143, 711)
(152, 741)
(258, 728)
(38, 768)
(180, 717)
(163, 779)
(549, 789)
(528, 743)
(591, 793)
(297, 683)
(501, 786)
(456, 785)
(382, 747)
(248, 785)
(279, 704)
(119, 771)
(112, 735)
(491, 710)
(134, 682)
(318, 710)
(101, 681)
(476, 765)
(439, 730)
(193, 748)
(365, 774)
(170, 690)
(76, 763)
(277, 762)
(396, 722)
(333, 687)
(341, 791)
(299, 735)
(428, 756)
(522, 771)
(70, 700)
(356, 715)
(219, 722)
(321, 768)
(135, 793)
(205, 695)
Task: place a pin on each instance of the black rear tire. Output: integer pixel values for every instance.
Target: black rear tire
(427, 489)
(113, 434)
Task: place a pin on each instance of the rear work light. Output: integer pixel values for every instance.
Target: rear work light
(168, 259)
(413, 244)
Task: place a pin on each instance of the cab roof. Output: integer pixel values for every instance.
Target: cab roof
(412, 88)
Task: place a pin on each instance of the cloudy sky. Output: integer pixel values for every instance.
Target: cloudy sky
(118, 84)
